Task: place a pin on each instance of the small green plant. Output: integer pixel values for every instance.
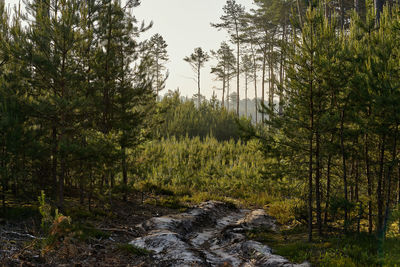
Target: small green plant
(45, 212)
(131, 249)
(335, 258)
(56, 227)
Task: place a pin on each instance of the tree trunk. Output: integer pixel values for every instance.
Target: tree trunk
(344, 168)
(238, 71)
(198, 86)
(379, 191)
(90, 188)
(157, 76)
(310, 176)
(378, 8)
(389, 182)
(246, 94)
(228, 89)
(357, 6)
(255, 82)
(81, 184)
(124, 174)
(342, 14)
(398, 193)
(299, 12)
(328, 187)
(369, 181)
(317, 181)
(271, 78)
(3, 179)
(357, 178)
(61, 184)
(264, 65)
(281, 71)
(54, 155)
(223, 88)
(311, 128)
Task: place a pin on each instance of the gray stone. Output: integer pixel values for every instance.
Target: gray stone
(211, 234)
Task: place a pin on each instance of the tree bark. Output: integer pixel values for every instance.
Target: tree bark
(54, 155)
(246, 84)
(398, 193)
(369, 181)
(310, 175)
(228, 88)
(223, 88)
(389, 182)
(379, 191)
(271, 78)
(317, 181)
(237, 69)
(255, 82)
(328, 188)
(124, 174)
(264, 65)
(198, 86)
(3, 178)
(342, 14)
(281, 70)
(344, 168)
(378, 8)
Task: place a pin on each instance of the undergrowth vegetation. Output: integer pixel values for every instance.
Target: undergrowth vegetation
(334, 249)
(197, 170)
(193, 170)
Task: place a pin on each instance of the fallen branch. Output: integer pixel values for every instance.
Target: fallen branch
(18, 234)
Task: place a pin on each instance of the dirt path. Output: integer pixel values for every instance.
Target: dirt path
(211, 234)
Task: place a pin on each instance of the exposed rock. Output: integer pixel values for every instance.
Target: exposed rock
(259, 219)
(211, 234)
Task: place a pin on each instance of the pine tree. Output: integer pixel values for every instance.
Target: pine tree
(224, 70)
(156, 48)
(197, 60)
(247, 70)
(233, 21)
(52, 44)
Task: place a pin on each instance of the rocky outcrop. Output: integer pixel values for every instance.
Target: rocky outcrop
(259, 219)
(211, 234)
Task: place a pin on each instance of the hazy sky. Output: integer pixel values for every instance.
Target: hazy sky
(185, 25)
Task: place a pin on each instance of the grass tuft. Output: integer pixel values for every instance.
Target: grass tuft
(134, 250)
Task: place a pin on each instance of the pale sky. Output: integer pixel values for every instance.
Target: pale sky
(185, 25)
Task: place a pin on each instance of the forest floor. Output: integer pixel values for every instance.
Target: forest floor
(111, 235)
(133, 234)
(97, 238)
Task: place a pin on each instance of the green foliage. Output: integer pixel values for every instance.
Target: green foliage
(337, 205)
(131, 249)
(45, 212)
(335, 249)
(75, 96)
(283, 210)
(182, 119)
(193, 167)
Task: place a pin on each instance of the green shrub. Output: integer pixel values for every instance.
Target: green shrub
(336, 259)
(45, 212)
(134, 250)
(283, 210)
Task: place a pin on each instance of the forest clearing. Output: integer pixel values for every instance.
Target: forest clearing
(276, 143)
